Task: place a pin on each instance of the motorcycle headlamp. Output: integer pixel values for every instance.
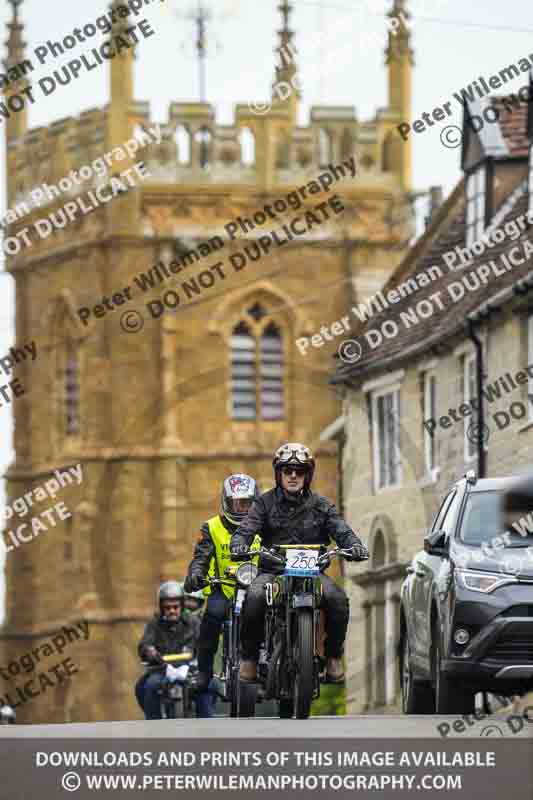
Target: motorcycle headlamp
(246, 573)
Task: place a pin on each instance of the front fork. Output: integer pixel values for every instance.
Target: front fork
(318, 647)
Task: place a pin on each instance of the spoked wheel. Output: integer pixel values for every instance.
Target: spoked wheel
(304, 662)
(273, 677)
(169, 710)
(286, 708)
(232, 690)
(188, 704)
(246, 697)
(416, 699)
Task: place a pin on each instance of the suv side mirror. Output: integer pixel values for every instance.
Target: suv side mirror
(517, 500)
(435, 543)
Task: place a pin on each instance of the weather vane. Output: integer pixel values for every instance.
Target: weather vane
(15, 4)
(204, 45)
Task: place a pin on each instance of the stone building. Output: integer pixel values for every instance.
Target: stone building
(157, 418)
(410, 426)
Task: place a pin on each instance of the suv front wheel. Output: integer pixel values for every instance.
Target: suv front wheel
(416, 698)
(450, 697)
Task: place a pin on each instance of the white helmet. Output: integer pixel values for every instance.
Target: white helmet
(237, 487)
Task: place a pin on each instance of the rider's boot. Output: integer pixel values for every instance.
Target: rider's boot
(202, 681)
(334, 670)
(248, 671)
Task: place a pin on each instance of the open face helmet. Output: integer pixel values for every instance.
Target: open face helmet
(7, 716)
(294, 454)
(238, 494)
(170, 590)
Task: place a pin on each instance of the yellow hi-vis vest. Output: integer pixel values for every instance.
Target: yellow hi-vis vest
(221, 559)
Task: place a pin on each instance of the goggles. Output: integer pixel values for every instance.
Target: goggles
(301, 455)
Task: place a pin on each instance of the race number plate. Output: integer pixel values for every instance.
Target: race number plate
(302, 562)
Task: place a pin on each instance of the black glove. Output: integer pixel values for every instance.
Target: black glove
(357, 553)
(194, 582)
(239, 552)
(151, 654)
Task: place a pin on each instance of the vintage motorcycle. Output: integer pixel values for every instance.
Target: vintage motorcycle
(290, 661)
(176, 698)
(241, 697)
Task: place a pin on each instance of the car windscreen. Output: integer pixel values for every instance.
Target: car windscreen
(483, 521)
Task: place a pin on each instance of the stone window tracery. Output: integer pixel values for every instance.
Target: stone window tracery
(71, 390)
(257, 367)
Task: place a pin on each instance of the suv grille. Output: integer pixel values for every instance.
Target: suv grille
(515, 645)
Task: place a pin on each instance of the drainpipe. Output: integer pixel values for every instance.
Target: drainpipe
(481, 454)
(494, 304)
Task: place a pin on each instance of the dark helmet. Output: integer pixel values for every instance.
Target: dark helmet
(7, 716)
(296, 455)
(237, 487)
(170, 590)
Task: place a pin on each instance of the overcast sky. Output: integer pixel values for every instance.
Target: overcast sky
(454, 43)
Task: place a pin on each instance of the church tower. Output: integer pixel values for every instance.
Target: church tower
(231, 356)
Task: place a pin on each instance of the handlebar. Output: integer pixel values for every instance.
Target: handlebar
(172, 658)
(323, 560)
(220, 581)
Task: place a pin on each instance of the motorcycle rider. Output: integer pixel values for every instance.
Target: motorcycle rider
(194, 603)
(292, 514)
(7, 716)
(170, 631)
(212, 557)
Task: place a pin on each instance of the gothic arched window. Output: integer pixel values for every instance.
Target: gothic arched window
(257, 369)
(379, 550)
(324, 147)
(71, 390)
(346, 145)
(247, 143)
(203, 138)
(182, 138)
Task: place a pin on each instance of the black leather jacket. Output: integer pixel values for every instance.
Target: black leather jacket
(170, 638)
(308, 519)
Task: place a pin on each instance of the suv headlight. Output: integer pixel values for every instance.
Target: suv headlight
(484, 582)
(246, 574)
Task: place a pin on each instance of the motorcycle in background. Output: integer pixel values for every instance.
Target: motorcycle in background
(176, 697)
(240, 696)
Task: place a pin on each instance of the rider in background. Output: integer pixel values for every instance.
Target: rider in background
(211, 558)
(194, 603)
(293, 514)
(170, 631)
(7, 716)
